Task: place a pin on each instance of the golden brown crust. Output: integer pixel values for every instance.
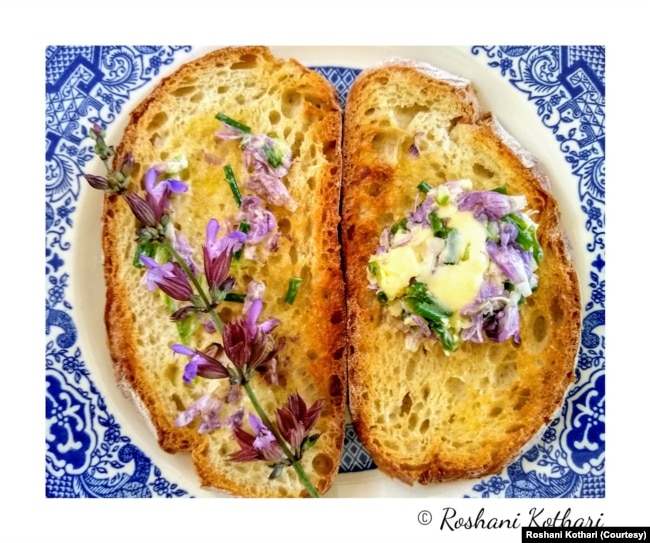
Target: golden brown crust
(426, 417)
(271, 95)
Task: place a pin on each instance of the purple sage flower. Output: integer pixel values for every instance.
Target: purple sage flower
(201, 363)
(208, 407)
(295, 420)
(159, 193)
(169, 277)
(261, 445)
(217, 254)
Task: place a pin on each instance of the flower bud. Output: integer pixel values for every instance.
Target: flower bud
(97, 181)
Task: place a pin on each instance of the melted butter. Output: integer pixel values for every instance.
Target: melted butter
(458, 285)
(454, 285)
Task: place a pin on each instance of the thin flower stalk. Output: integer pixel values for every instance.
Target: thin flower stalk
(285, 449)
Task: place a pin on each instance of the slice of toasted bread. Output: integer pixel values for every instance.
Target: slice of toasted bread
(283, 99)
(426, 416)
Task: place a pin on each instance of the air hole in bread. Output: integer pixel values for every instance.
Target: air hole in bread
(183, 91)
(495, 411)
(424, 426)
(284, 225)
(411, 365)
(514, 428)
(386, 145)
(297, 144)
(171, 373)
(158, 120)
(197, 97)
(505, 373)
(336, 387)
(223, 89)
(557, 313)
(407, 403)
(305, 275)
(291, 103)
(225, 314)
(240, 99)
(178, 402)
(293, 254)
(274, 117)
(336, 317)
(524, 396)
(368, 112)
(339, 353)
(413, 420)
(330, 150)
(246, 62)
(481, 171)
(540, 328)
(322, 464)
(405, 114)
(455, 386)
(350, 233)
(372, 189)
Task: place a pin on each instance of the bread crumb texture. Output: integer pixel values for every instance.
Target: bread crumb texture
(426, 416)
(284, 100)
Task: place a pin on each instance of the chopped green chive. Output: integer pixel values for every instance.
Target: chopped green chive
(500, 190)
(526, 236)
(245, 228)
(232, 122)
(438, 227)
(230, 179)
(423, 186)
(235, 297)
(400, 225)
(442, 198)
(272, 155)
(294, 285)
(373, 268)
(382, 297)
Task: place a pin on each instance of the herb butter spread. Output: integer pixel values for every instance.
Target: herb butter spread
(457, 266)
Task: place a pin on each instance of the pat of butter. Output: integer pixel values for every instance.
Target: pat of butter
(454, 285)
(457, 285)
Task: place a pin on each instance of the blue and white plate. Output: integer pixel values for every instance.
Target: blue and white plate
(551, 99)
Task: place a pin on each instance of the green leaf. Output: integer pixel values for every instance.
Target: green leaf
(308, 442)
(276, 471)
(146, 248)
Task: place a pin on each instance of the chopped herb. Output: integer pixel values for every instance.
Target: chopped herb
(272, 155)
(443, 196)
(245, 228)
(382, 297)
(232, 122)
(424, 187)
(235, 297)
(438, 227)
(400, 225)
(373, 268)
(146, 248)
(526, 235)
(230, 179)
(500, 190)
(294, 285)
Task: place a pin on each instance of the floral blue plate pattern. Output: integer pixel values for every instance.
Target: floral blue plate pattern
(88, 453)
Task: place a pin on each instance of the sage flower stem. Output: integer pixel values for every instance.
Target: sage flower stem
(195, 282)
(285, 449)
